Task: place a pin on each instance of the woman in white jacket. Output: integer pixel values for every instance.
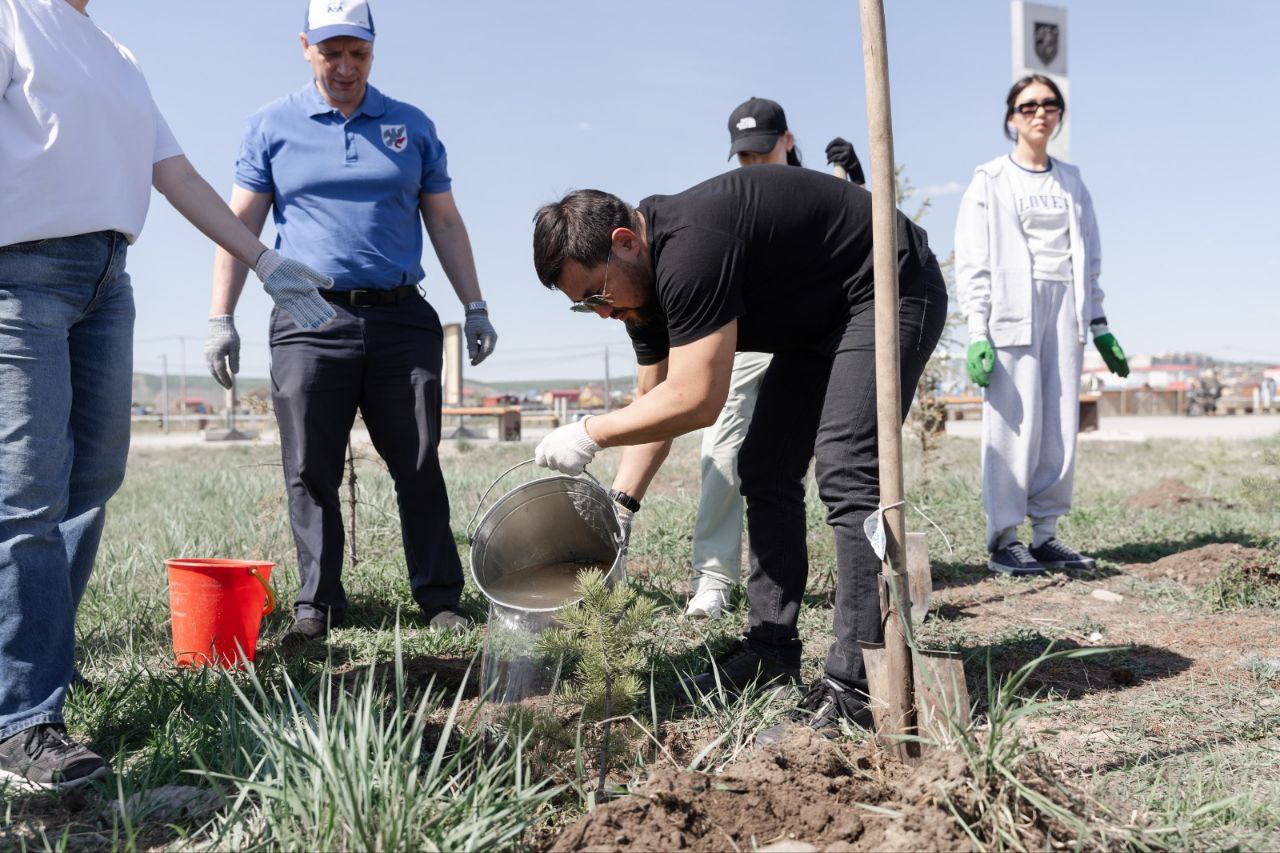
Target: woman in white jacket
(1027, 265)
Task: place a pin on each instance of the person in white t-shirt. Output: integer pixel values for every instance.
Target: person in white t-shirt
(81, 145)
(1028, 259)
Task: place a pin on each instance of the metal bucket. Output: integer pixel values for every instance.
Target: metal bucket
(556, 519)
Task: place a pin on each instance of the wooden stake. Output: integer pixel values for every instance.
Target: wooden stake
(896, 598)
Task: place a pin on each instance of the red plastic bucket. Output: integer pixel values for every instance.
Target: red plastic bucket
(217, 608)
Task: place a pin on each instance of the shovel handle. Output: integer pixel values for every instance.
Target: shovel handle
(269, 606)
(485, 496)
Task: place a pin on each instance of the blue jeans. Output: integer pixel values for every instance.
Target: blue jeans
(66, 377)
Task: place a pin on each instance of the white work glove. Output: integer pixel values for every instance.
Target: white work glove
(481, 338)
(292, 286)
(567, 449)
(222, 349)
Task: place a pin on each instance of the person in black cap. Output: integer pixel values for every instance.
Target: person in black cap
(758, 134)
(762, 259)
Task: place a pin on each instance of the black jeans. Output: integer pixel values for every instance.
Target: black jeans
(385, 361)
(822, 404)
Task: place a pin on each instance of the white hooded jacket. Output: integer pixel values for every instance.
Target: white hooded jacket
(993, 263)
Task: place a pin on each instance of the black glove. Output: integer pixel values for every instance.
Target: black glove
(840, 153)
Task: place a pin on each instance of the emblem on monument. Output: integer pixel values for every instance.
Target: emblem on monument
(1046, 41)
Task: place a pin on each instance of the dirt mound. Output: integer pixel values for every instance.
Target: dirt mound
(1167, 494)
(1201, 566)
(806, 788)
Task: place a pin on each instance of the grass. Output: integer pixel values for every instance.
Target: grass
(402, 765)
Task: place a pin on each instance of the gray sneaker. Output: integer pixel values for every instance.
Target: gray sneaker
(1055, 555)
(42, 758)
(1014, 560)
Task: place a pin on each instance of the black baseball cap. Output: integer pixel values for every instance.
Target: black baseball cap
(755, 126)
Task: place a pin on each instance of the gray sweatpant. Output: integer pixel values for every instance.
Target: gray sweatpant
(1030, 418)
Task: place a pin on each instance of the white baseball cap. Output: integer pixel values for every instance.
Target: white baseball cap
(329, 18)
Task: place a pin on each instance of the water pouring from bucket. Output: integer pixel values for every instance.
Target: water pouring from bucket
(526, 554)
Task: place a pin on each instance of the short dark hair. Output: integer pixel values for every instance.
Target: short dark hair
(578, 227)
(1016, 90)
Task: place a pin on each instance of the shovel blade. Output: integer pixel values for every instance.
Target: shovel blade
(942, 696)
(919, 575)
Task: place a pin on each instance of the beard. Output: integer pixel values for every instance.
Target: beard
(641, 279)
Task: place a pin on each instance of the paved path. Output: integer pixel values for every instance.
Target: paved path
(1128, 428)
(1145, 428)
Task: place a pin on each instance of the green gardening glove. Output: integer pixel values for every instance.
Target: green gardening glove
(1110, 350)
(980, 361)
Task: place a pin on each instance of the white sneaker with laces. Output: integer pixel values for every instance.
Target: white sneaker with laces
(707, 604)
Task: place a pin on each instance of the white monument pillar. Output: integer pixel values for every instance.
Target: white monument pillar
(1040, 47)
(453, 364)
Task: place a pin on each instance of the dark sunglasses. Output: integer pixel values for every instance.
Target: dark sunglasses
(1051, 107)
(588, 304)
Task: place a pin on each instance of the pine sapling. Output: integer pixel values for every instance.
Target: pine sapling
(596, 643)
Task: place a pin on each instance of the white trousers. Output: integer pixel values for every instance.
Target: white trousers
(1030, 418)
(717, 532)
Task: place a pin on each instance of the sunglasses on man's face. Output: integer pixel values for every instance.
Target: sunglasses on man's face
(588, 304)
(1051, 107)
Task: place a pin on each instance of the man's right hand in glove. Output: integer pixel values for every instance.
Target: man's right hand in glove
(292, 286)
(222, 349)
(980, 361)
(840, 153)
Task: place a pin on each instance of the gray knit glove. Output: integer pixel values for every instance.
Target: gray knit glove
(292, 286)
(222, 349)
(480, 335)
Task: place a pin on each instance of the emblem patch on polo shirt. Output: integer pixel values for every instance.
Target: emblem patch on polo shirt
(395, 136)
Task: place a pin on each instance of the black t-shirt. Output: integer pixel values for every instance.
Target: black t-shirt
(785, 251)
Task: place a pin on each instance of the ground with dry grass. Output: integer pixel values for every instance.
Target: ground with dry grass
(1171, 733)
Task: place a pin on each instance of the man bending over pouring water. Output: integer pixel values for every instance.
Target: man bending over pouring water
(767, 259)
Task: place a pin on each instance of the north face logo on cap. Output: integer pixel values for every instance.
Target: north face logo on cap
(395, 136)
(746, 123)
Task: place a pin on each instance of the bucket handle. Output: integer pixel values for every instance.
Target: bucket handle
(485, 496)
(270, 606)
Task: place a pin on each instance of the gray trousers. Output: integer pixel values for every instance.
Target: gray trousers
(386, 363)
(1030, 418)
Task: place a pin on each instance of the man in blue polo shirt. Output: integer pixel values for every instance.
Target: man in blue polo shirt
(348, 172)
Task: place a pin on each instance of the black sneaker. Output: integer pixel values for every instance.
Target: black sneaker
(304, 631)
(42, 758)
(739, 667)
(822, 708)
(447, 619)
(1014, 560)
(1055, 555)
(827, 703)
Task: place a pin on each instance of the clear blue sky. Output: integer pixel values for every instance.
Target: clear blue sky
(1173, 111)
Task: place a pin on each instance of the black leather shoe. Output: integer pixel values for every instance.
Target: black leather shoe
(304, 631)
(446, 619)
(739, 667)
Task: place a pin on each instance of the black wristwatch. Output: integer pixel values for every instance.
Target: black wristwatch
(625, 500)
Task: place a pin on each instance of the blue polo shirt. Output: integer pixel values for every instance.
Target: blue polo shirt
(346, 191)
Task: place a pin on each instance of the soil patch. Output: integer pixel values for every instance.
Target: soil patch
(836, 796)
(1168, 494)
(1201, 566)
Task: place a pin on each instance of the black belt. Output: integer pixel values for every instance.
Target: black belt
(370, 298)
